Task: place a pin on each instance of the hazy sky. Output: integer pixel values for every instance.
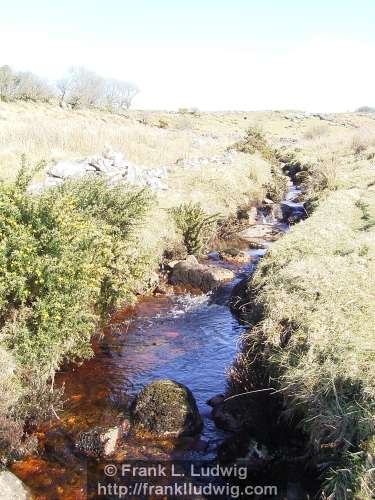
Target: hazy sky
(212, 54)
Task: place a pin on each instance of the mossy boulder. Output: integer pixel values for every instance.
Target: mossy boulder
(167, 409)
(189, 272)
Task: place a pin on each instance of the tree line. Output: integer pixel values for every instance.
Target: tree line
(78, 88)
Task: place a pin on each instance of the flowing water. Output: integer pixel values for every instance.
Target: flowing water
(191, 338)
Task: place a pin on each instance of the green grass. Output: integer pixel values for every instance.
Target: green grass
(313, 311)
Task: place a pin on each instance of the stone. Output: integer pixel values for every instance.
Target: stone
(108, 153)
(99, 442)
(241, 446)
(252, 215)
(134, 175)
(258, 234)
(171, 263)
(67, 169)
(166, 408)
(12, 488)
(292, 212)
(267, 201)
(48, 183)
(189, 272)
(111, 164)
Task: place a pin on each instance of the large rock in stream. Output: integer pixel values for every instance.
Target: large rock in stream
(258, 235)
(189, 272)
(166, 408)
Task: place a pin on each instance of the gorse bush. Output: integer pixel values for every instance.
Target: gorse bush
(195, 225)
(67, 257)
(253, 142)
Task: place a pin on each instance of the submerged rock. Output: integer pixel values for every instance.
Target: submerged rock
(167, 409)
(60, 446)
(99, 442)
(189, 272)
(12, 488)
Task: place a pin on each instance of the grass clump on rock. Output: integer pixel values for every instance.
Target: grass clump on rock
(68, 256)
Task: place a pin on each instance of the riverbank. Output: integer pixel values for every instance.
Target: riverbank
(310, 305)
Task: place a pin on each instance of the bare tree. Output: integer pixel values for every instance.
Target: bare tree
(7, 83)
(119, 94)
(64, 86)
(23, 85)
(81, 87)
(30, 87)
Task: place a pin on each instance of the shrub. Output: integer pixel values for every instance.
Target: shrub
(253, 142)
(163, 123)
(195, 225)
(360, 142)
(315, 131)
(67, 257)
(277, 187)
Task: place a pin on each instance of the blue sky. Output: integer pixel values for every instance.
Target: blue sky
(223, 54)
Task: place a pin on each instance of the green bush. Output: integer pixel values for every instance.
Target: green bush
(67, 257)
(253, 142)
(195, 225)
(65, 261)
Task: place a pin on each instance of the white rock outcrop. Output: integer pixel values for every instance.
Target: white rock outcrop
(111, 164)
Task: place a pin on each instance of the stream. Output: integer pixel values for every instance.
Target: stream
(189, 337)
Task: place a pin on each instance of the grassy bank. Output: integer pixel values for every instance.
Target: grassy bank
(312, 311)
